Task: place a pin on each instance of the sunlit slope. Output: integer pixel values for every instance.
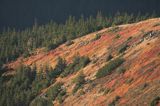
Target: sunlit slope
(139, 84)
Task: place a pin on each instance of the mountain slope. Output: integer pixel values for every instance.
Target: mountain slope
(135, 82)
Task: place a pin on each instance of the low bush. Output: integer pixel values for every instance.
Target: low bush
(121, 70)
(128, 81)
(57, 92)
(61, 96)
(107, 69)
(143, 86)
(157, 24)
(41, 102)
(113, 103)
(104, 90)
(155, 101)
(107, 90)
(26, 54)
(51, 46)
(40, 84)
(79, 81)
(114, 30)
(97, 37)
(59, 68)
(117, 36)
(53, 92)
(78, 63)
(2, 69)
(54, 44)
(81, 92)
(129, 38)
(109, 57)
(68, 43)
(123, 48)
(101, 90)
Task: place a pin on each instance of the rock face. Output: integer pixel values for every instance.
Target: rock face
(134, 83)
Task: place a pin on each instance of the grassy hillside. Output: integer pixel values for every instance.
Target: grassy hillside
(118, 65)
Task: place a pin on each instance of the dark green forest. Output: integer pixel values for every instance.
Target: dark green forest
(26, 84)
(21, 89)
